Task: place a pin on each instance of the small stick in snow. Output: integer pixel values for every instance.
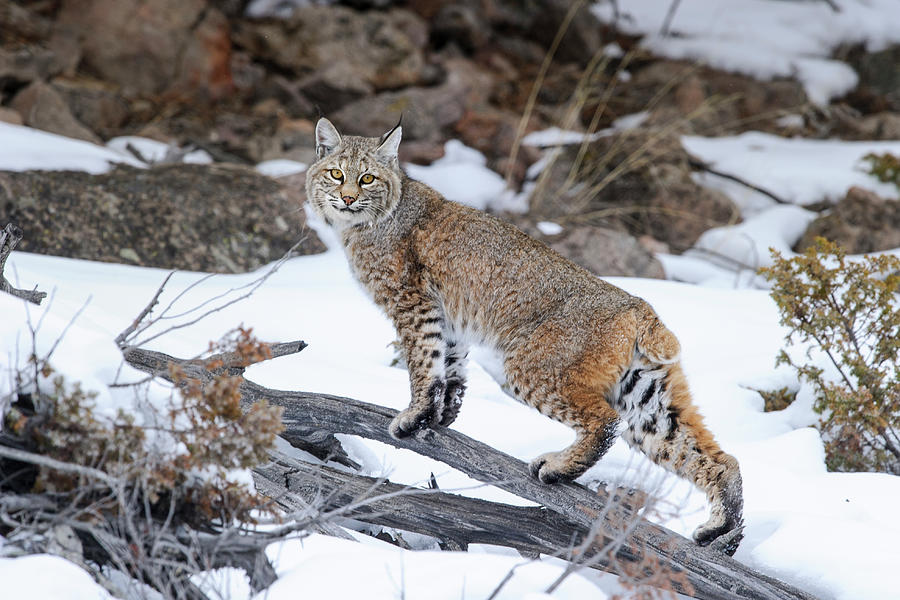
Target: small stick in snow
(9, 239)
(699, 164)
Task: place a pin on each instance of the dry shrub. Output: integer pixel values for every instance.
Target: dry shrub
(848, 310)
(885, 167)
(134, 493)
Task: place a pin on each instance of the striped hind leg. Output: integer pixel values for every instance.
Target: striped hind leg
(592, 440)
(663, 423)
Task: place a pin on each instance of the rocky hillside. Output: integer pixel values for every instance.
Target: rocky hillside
(245, 81)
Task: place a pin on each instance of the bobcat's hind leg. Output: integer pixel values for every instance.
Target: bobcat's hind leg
(670, 431)
(589, 446)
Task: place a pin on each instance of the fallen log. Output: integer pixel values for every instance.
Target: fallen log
(711, 573)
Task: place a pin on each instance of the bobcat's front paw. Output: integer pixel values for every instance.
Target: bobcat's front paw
(452, 401)
(410, 421)
(549, 468)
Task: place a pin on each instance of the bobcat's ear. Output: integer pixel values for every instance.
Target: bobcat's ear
(327, 137)
(390, 142)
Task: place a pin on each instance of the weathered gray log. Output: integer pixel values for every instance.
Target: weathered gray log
(712, 574)
(10, 236)
(295, 484)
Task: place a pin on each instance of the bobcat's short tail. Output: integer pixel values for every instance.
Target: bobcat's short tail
(655, 341)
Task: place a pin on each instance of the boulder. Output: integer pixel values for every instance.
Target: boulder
(148, 48)
(603, 251)
(426, 111)
(860, 222)
(19, 24)
(28, 63)
(216, 218)
(96, 104)
(8, 115)
(42, 107)
(340, 53)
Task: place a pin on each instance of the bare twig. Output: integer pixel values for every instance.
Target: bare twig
(130, 337)
(699, 164)
(670, 15)
(10, 236)
(52, 463)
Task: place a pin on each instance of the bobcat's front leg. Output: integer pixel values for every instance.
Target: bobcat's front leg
(421, 335)
(455, 368)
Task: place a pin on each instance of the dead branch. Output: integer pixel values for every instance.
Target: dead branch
(712, 574)
(702, 166)
(10, 237)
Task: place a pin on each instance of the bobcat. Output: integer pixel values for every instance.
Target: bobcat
(574, 347)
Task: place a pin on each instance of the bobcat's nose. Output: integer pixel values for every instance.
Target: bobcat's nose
(348, 200)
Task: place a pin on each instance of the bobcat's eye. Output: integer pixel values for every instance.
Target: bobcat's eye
(337, 174)
(367, 178)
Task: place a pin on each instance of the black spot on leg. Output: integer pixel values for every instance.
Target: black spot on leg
(435, 353)
(516, 390)
(432, 335)
(673, 415)
(632, 381)
(648, 393)
(649, 426)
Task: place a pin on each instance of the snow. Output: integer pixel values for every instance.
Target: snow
(318, 565)
(549, 228)
(462, 175)
(792, 503)
(154, 151)
(279, 167)
(46, 577)
(803, 524)
(797, 170)
(23, 148)
(765, 39)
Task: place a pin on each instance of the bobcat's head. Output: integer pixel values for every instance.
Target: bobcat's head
(356, 180)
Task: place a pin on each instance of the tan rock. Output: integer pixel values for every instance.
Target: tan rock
(43, 108)
(8, 115)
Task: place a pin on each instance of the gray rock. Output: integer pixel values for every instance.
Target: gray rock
(96, 104)
(860, 222)
(341, 52)
(216, 218)
(603, 251)
(425, 110)
(28, 63)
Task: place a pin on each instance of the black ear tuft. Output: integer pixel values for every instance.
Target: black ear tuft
(389, 144)
(393, 129)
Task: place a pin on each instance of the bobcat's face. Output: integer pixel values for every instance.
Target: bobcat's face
(356, 180)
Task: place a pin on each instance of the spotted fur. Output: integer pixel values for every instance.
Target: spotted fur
(574, 347)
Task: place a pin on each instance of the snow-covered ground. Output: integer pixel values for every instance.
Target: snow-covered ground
(765, 39)
(804, 525)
